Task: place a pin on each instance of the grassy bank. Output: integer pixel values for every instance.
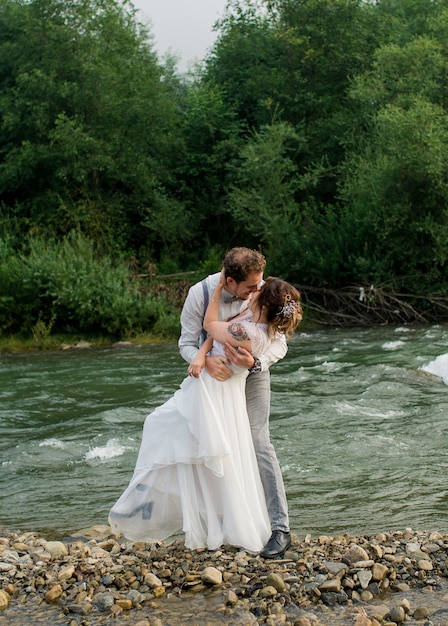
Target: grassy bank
(15, 343)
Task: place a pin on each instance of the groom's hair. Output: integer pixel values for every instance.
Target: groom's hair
(240, 262)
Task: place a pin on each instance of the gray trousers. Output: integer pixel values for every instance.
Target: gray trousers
(258, 399)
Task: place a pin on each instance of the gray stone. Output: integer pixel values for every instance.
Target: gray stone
(356, 553)
(414, 552)
(431, 547)
(364, 577)
(335, 567)
(152, 580)
(331, 599)
(136, 597)
(104, 601)
(374, 588)
(397, 614)
(6, 567)
(82, 608)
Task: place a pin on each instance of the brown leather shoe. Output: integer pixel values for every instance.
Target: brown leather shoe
(277, 545)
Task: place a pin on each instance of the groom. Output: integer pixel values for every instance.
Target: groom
(244, 275)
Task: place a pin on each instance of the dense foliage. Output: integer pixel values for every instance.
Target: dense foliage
(315, 130)
(63, 287)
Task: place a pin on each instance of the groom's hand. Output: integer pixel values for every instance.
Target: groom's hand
(239, 356)
(217, 367)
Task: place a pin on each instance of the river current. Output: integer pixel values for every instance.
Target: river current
(359, 419)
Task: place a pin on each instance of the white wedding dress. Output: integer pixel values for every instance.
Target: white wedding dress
(196, 470)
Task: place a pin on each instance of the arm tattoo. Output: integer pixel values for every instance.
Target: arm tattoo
(238, 332)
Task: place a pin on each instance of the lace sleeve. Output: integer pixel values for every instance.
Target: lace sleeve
(259, 339)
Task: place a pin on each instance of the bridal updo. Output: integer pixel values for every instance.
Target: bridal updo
(282, 305)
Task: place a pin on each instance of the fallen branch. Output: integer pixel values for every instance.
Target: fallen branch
(367, 306)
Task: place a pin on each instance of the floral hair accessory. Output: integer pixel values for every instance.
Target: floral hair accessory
(289, 308)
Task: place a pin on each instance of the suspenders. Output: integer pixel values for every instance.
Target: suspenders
(206, 298)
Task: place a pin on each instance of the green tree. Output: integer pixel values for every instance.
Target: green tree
(294, 62)
(262, 196)
(246, 63)
(210, 132)
(394, 181)
(396, 192)
(87, 136)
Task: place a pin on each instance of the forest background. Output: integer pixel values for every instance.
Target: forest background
(314, 130)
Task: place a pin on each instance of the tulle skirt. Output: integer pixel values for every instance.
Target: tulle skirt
(196, 471)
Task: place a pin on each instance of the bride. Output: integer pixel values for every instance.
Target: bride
(196, 470)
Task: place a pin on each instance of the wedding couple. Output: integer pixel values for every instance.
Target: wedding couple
(206, 464)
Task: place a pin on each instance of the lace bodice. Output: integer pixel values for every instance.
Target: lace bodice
(258, 335)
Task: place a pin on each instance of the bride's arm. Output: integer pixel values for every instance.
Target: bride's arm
(198, 363)
(232, 332)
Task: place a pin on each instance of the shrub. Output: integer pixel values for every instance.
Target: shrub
(65, 284)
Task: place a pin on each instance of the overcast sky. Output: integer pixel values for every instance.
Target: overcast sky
(182, 26)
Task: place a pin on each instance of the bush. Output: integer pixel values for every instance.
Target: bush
(66, 286)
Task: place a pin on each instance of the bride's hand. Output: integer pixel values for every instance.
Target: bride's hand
(196, 366)
(222, 279)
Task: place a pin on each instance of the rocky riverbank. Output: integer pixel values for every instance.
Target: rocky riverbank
(386, 579)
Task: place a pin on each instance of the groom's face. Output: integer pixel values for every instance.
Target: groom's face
(243, 289)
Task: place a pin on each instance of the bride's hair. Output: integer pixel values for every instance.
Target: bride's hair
(282, 305)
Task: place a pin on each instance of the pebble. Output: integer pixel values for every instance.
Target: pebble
(104, 601)
(53, 594)
(56, 548)
(364, 577)
(211, 575)
(152, 580)
(397, 615)
(98, 574)
(275, 580)
(421, 613)
(4, 600)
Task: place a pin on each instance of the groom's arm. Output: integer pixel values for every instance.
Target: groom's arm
(192, 318)
(191, 323)
(276, 351)
(244, 359)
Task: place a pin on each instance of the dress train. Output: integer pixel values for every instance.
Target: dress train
(196, 471)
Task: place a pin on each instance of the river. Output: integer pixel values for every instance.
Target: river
(359, 420)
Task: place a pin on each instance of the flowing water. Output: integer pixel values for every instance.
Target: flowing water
(359, 420)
